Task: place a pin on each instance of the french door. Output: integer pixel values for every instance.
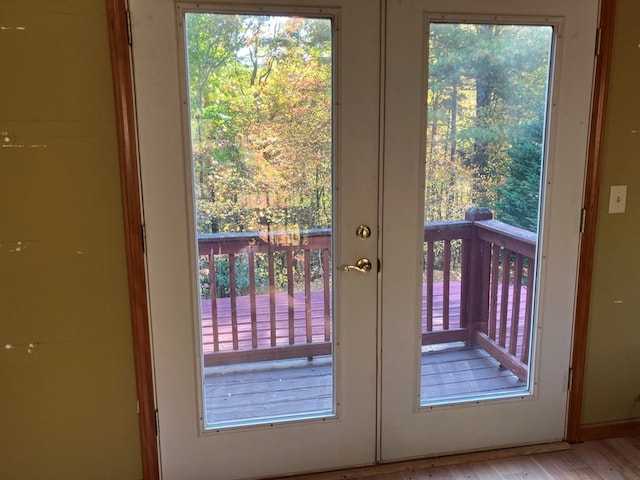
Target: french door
(195, 441)
(531, 406)
(339, 214)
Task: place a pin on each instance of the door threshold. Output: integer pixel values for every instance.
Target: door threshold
(423, 463)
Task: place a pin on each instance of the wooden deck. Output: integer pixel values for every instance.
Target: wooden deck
(267, 390)
(460, 371)
(289, 388)
(263, 321)
(318, 310)
(267, 351)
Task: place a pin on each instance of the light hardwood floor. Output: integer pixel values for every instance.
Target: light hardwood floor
(612, 459)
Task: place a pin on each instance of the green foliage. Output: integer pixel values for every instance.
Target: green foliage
(518, 199)
(260, 101)
(261, 273)
(223, 278)
(486, 84)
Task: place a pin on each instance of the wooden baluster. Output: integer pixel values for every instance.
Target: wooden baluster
(446, 296)
(252, 298)
(429, 303)
(213, 298)
(307, 294)
(526, 337)
(515, 305)
(233, 294)
(290, 291)
(493, 295)
(484, 287)
(465, 290)
(504, 301)
(326, 278)
(272, 299)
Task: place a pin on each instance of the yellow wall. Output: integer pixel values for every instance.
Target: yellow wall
(68, 407)
(612, 381)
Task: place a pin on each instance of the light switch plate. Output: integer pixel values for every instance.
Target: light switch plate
(618, 199)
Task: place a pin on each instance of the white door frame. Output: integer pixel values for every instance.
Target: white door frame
(133, 224)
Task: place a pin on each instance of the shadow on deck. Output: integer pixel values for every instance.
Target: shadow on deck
(276, 390)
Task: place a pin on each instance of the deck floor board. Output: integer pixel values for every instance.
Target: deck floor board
(294, 387)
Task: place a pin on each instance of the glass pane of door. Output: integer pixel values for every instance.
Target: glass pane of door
(485, 149)
(260, 92)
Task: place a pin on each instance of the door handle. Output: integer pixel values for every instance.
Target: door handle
(363, 265)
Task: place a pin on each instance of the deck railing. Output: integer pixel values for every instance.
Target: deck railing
(478, 288)
(486, 282)
(281, 312)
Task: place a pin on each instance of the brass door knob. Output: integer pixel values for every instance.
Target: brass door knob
(363, 265)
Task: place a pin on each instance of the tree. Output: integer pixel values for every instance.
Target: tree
(518, 196)
(485, 83)
(260, 91)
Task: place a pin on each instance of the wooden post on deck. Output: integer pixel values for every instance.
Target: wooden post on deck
(475, 283)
